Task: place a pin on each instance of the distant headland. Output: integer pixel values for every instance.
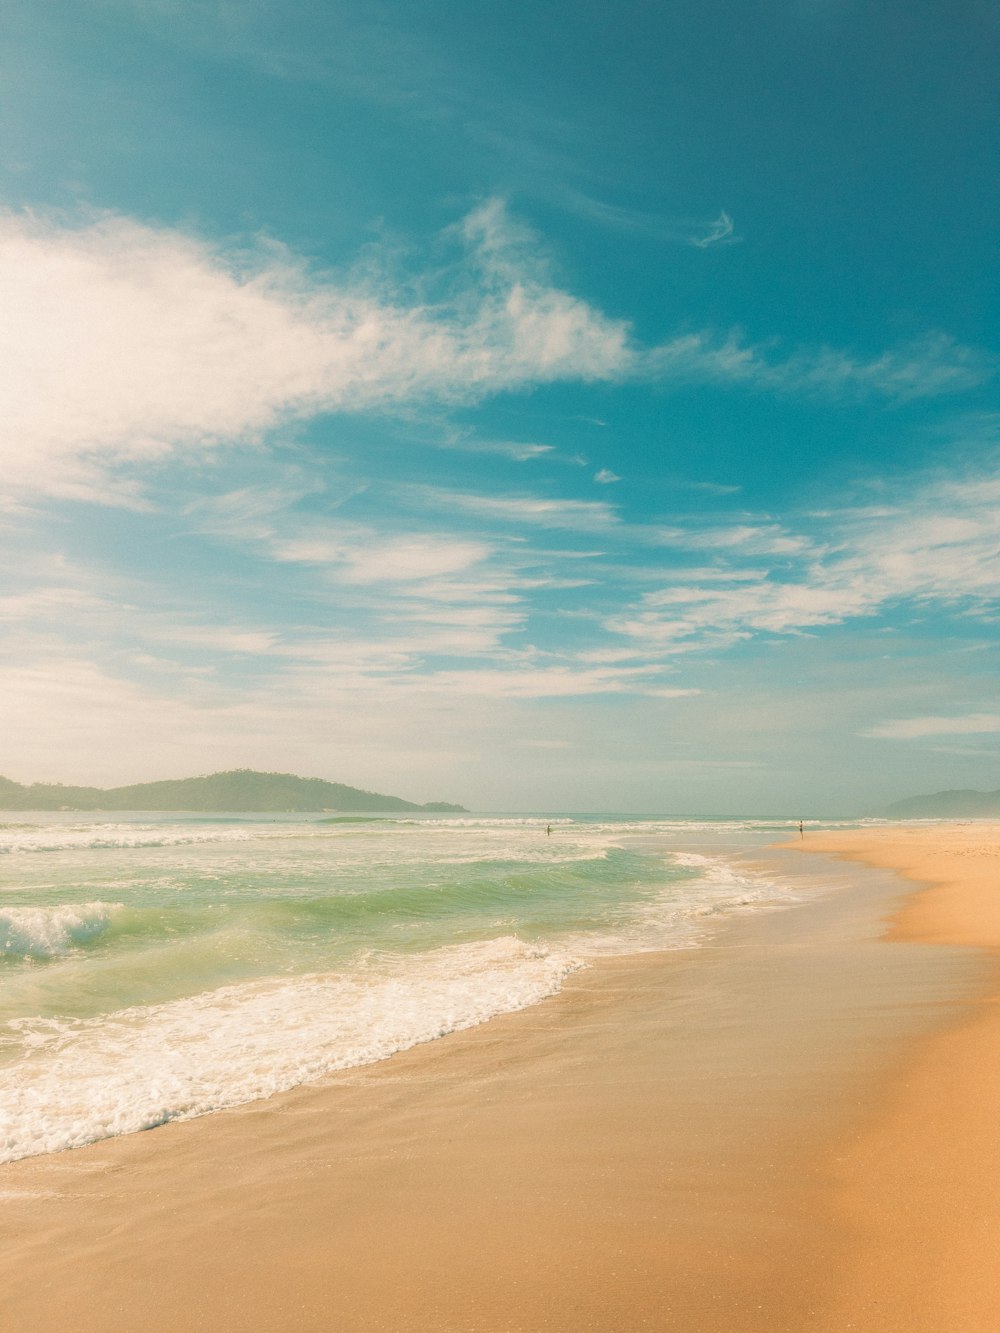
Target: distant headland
(960, 804)
(238, 789)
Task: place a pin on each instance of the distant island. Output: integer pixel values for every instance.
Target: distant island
(238, 789)
(959, 804)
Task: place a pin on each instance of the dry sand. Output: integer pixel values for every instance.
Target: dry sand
(917, 1188)
(790, 1128)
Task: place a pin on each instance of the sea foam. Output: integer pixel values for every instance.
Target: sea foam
(71, 838)
(86, 1079)
(41, 932)
(253, 957)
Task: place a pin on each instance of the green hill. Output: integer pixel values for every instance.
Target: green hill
(239, 789)
(960, 804)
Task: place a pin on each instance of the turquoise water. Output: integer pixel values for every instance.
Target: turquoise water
(159, 967)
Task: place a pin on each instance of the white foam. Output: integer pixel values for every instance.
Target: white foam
(87, 1079)
(77, 1080)
(722, 887)
(41, 932)
(680, 914)
(78, 837)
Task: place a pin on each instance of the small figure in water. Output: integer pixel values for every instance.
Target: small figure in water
(801, 830)
(548, 830)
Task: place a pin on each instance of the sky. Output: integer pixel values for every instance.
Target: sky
(539, 406)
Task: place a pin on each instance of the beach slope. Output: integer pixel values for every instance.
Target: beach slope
(916, 1187)
(788, 1128)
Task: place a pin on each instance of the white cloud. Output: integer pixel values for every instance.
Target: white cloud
(921, 369)
(676, 230)
(554, 681)
(519, 451)
(576, 515)
(720, 232)
(409, 558)
(749, 538)
(52, 603)
(917, 728)
(232, 639)
(123, 342)
(939, 544)
(371, 559)
(709, 487)
(925, 368)
(250, 511)
(606, 476)
(403, 600)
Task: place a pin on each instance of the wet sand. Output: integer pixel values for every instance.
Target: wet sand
(678, 1141)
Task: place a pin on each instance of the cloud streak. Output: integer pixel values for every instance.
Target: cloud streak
(530, 510)
(939, 545)
(126, 345)
(924, 368)
(720, 232)
(920, 728)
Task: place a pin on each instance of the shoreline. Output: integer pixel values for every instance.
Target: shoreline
(660, 1145)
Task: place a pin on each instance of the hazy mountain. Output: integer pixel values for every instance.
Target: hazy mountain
(962, 804)
(239, 789)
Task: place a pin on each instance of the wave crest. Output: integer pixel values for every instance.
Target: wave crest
(85, 1079)
(43, 932)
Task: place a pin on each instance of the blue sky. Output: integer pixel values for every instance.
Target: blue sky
(531, 405)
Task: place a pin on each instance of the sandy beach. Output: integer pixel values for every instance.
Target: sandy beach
(792, 1127)
(916, 1186)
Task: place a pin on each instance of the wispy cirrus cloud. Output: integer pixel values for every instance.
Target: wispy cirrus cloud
(518, 450)
(935, 544)
(129, 343)
(217, 638)
(720, 232)
(554, 680)
(380, 559)
(746, 538)
(920, 728)
(531, 510)
(938, 544)
(125, 345)
(642, 222)
(923, 368)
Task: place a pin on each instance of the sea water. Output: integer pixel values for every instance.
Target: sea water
(158, 967)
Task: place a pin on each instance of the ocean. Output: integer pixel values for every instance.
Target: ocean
(159, 967)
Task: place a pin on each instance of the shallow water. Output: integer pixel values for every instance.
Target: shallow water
(159, 967)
